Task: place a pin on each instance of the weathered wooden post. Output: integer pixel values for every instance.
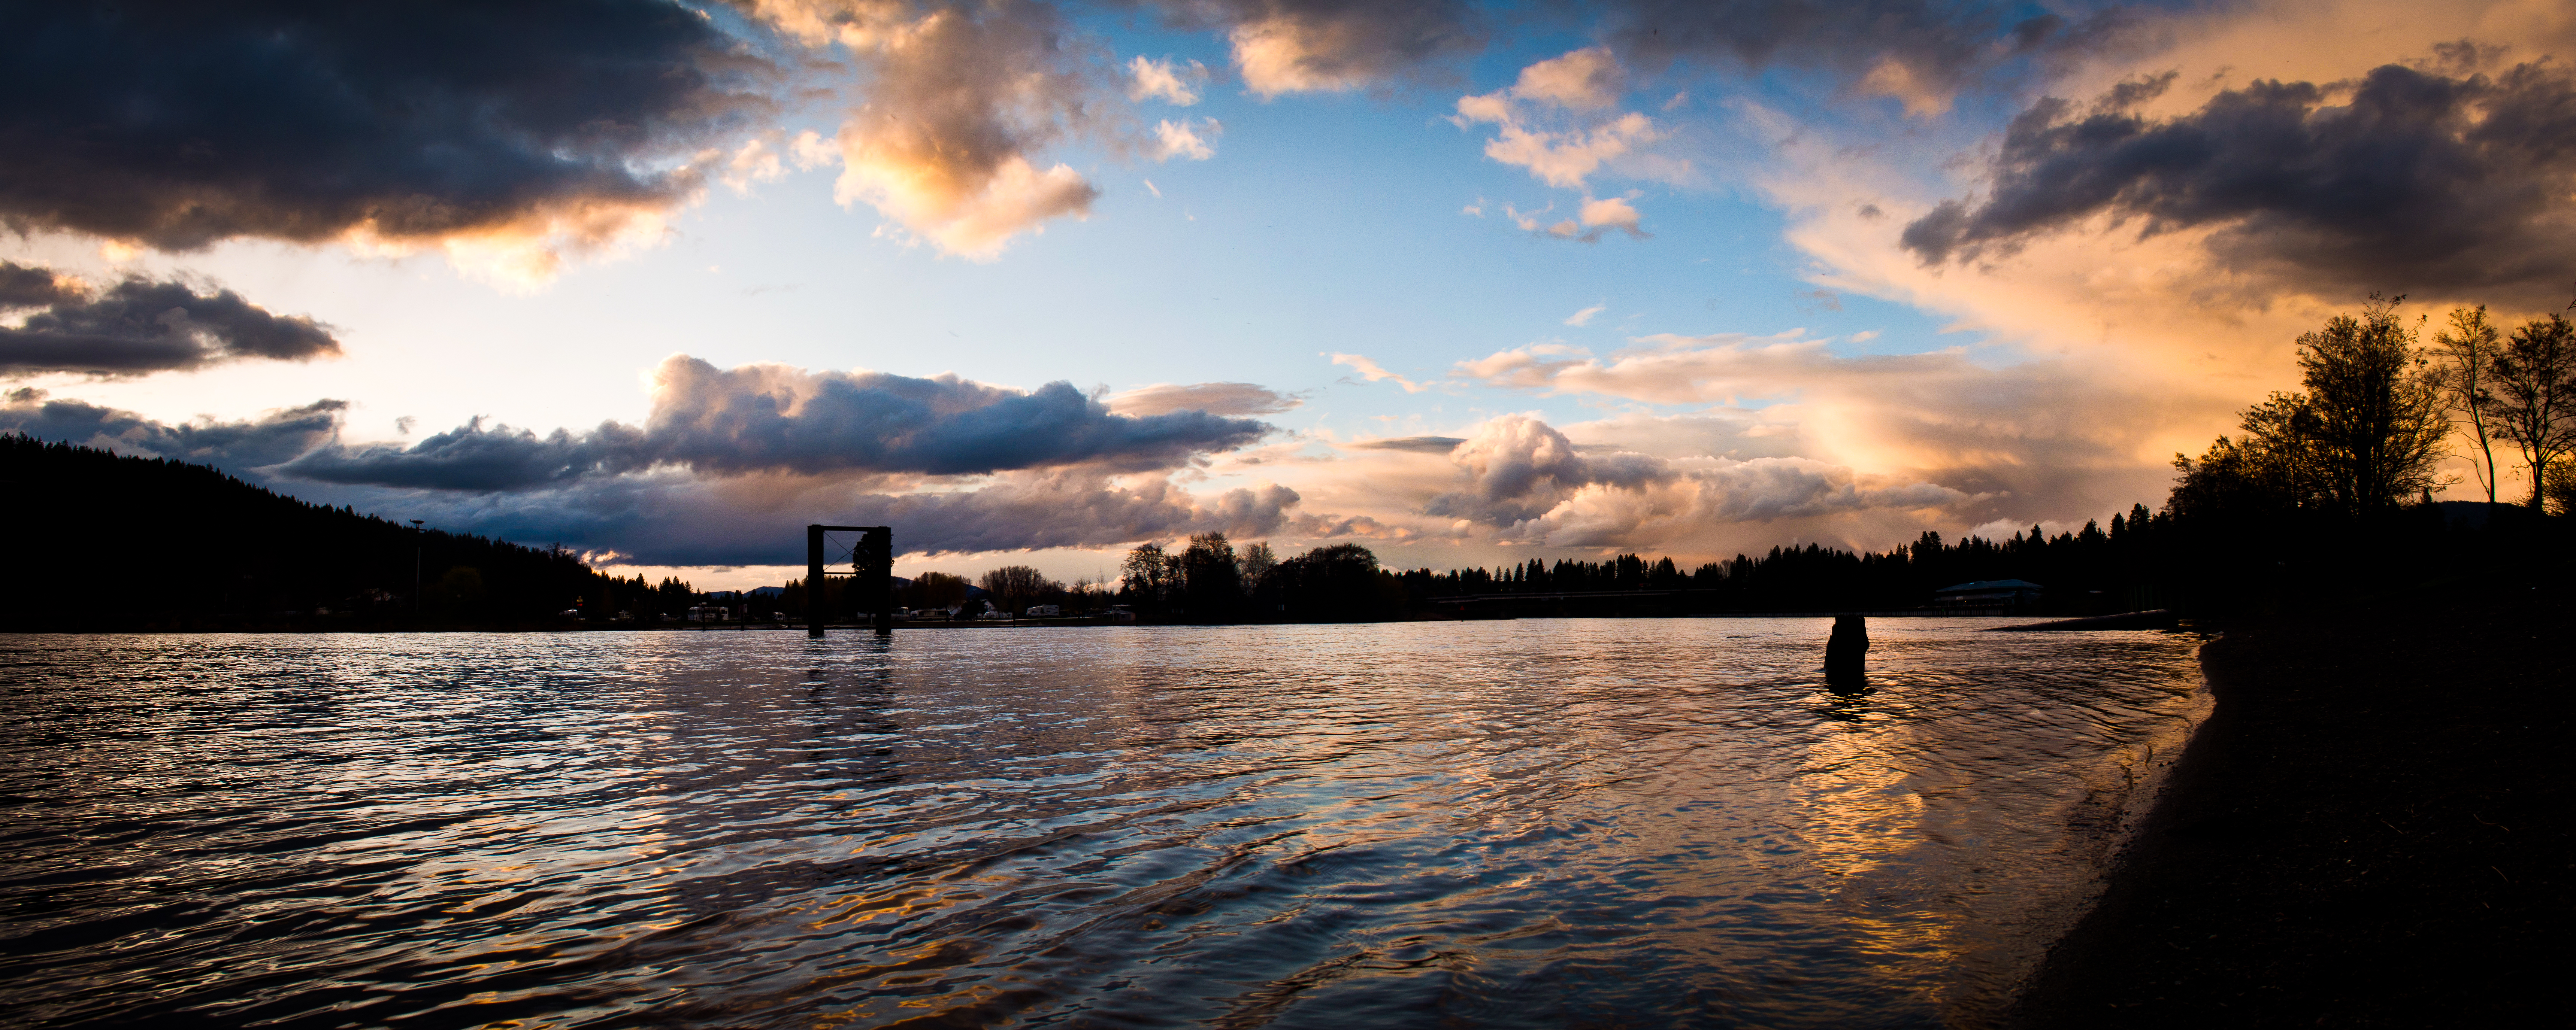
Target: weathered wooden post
(1847, 650)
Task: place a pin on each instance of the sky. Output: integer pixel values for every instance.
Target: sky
(1469, 284)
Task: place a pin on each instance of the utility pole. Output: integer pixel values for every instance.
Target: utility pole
(415, 567)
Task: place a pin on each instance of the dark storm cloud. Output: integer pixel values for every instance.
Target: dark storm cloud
(140, 326)
(2405, 180)
(663, 520)
(769, 418)
(24, 287)
(180, 124)
(236, 446)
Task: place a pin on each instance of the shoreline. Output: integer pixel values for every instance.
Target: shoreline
(2371, 828)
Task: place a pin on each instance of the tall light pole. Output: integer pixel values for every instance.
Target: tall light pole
(415, 566)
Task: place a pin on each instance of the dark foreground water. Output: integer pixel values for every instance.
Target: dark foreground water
(1536, 823)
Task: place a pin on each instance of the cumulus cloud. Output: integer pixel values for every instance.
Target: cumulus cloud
(1607, 213)
(1180, 139)
(1212, 398)
(1532, 484)
(1519, 468)
(2031, 435)
(241, 445)
(958, 100)
(1552, 121)
(1331, 46)
(772, 418)
(2405, 179)
(140, 326)
(509, 136)
(1065, 509)
(1586, 79)
(1174, 82)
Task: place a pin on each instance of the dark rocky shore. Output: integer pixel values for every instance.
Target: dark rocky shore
(2376, 827)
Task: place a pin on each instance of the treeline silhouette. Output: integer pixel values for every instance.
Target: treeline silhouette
(102, 540)
(2087, 572)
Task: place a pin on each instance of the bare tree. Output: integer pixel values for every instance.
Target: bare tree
(2469, 349)
(2536, 396)
(935, 590)
(1015, 587)
(1257, 561)
(1146, 574)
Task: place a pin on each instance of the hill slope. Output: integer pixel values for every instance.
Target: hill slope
(104, 541)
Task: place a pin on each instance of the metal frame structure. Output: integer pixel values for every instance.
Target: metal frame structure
(871, 575)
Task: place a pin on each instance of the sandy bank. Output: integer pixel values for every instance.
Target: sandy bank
(2372, 829)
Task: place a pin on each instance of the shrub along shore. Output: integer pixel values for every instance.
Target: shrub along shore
(2375, 827)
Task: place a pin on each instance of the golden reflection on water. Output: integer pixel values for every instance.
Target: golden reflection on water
(1533, 823)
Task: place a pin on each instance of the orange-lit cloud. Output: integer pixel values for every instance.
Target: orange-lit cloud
(958, 101)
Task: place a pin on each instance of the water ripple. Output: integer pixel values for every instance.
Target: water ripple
(1535, 823)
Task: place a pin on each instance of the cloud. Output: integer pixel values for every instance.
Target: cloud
(678, 520)
(1373, 372)
(1919, 52)
(239, 446)
(1174, 82)
(1212, 398)
(1609, 213)
(1584, 317)
(959, 97)
(140, 326)
(1552, 121)
(1066, 509)
(509, 136)
(1178, 139)
(2050, 437)
(1519, 468)
(1594, 219)
(773, 418)
(1586, 79)
(1526, 479)
(2404, 180)
(1416, 444)
(1332, 46)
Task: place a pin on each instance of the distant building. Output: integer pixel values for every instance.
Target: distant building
(1988, 593)
(708, 613)
(1044, 611)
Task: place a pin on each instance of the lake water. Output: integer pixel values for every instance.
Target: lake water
(1533, 823)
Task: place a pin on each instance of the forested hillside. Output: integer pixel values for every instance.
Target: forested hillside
(101, 540)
